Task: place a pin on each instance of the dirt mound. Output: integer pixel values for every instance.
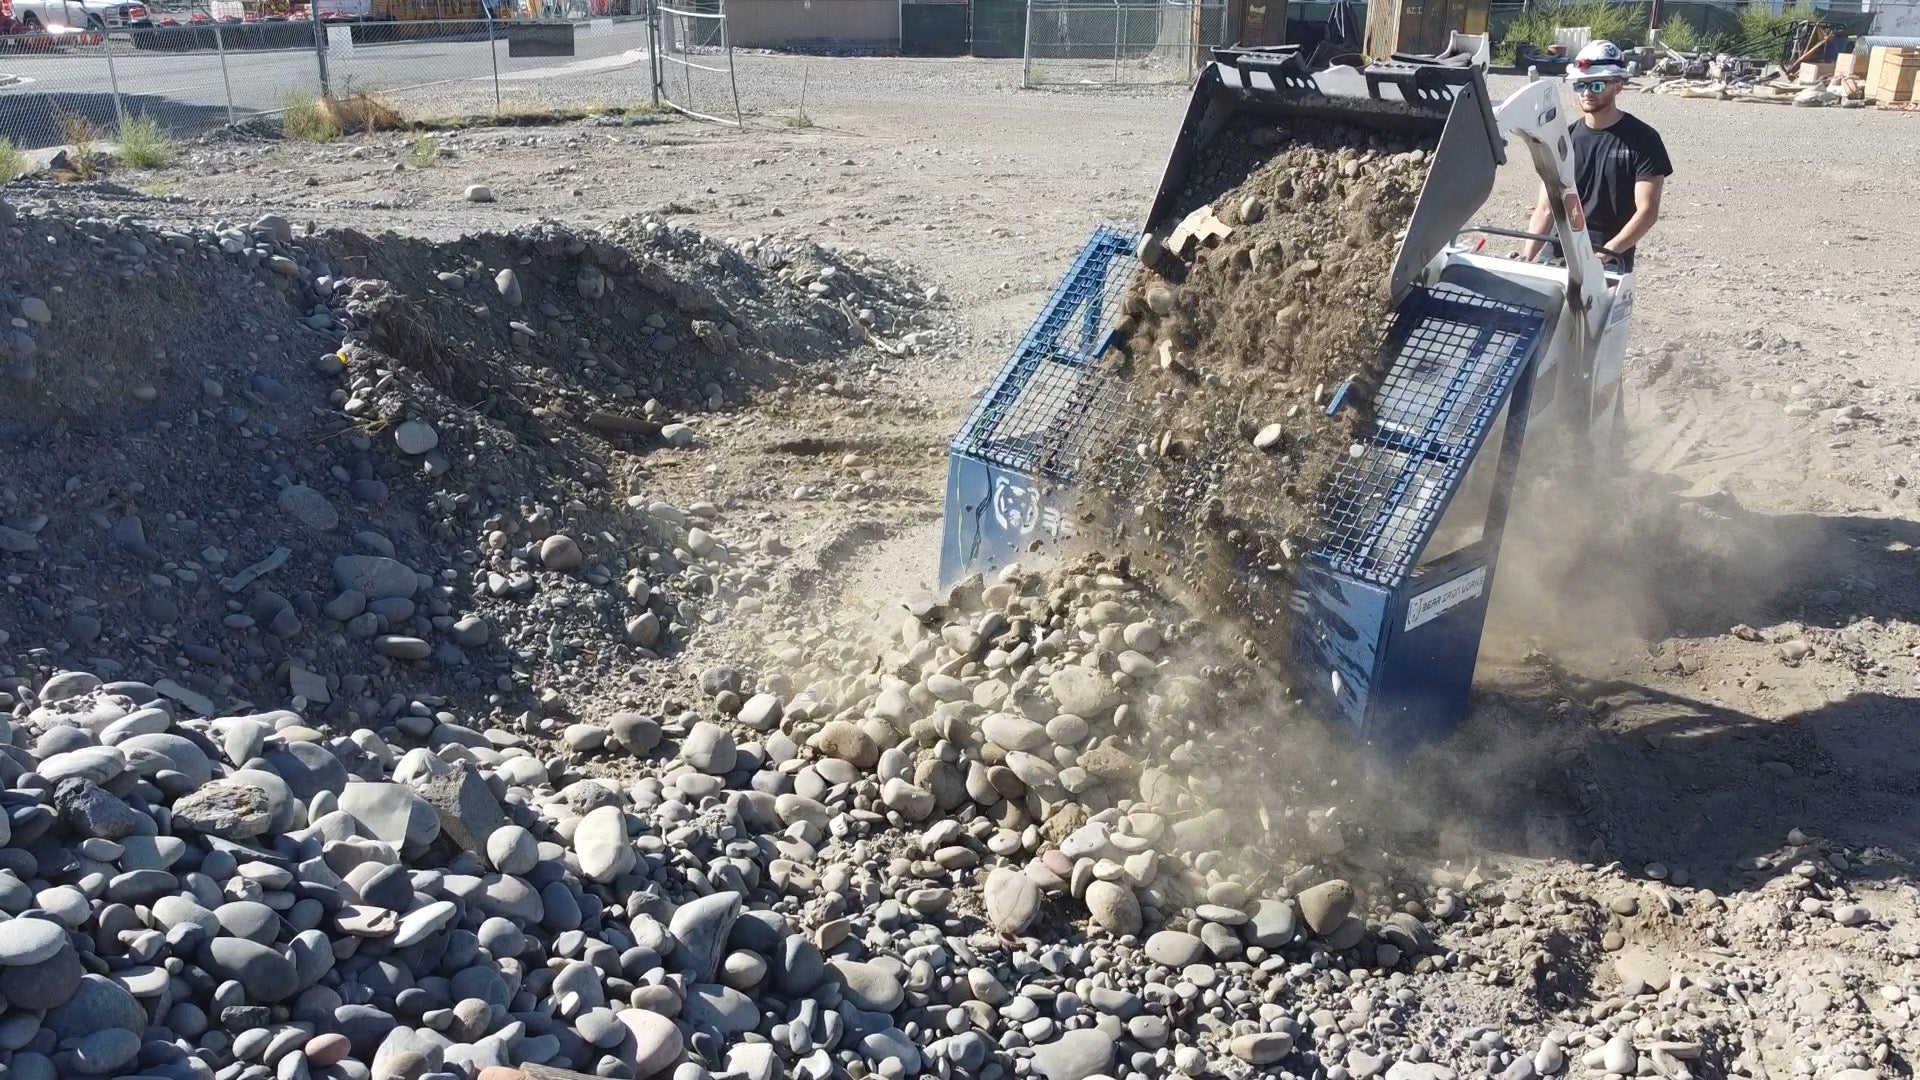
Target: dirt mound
(1238, 343)
(380, 473)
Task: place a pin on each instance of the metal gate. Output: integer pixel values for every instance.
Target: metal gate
(933, 27)
(693, 63)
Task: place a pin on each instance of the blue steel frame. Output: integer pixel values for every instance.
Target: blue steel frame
(1386, 645)
(1011, 466)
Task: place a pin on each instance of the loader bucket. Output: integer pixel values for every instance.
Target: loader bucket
(1443, 103)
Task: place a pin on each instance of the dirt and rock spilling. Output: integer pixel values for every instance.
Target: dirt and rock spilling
(1266, 293)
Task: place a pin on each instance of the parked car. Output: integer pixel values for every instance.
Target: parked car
(99, 16)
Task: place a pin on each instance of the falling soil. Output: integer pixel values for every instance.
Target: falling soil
(1235, 348)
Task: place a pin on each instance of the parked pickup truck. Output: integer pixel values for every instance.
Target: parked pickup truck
(96, 15)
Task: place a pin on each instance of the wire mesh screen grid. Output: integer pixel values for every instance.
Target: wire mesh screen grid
(1454, 356)
(1049, 403)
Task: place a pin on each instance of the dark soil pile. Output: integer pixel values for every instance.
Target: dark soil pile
(199, 422)
(1236, 348)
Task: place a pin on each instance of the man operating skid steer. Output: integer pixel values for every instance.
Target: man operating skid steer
(1620, 163)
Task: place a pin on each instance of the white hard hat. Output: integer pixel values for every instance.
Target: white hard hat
(1602, 59)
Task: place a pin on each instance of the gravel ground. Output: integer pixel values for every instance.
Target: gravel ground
(840, 828)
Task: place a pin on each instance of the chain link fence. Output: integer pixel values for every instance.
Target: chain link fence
(454, 68)
(60, 87)
(1090, 43)
(191, 79)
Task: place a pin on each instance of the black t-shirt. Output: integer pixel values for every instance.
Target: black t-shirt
(1606, 164)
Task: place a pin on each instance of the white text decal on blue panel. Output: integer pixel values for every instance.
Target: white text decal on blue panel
(1437, 601)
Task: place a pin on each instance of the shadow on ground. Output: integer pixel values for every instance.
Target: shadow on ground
(32, 120)
(1598, 561)
(1658, 777)
(1572, 752)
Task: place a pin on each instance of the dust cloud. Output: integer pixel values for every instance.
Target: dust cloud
(1598, 554)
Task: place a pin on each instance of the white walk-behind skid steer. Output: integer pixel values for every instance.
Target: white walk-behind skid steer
(1382, 619)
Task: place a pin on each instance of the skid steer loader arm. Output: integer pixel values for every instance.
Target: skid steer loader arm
(1534, 116)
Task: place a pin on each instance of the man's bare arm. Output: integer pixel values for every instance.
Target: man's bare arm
(1646, 211)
